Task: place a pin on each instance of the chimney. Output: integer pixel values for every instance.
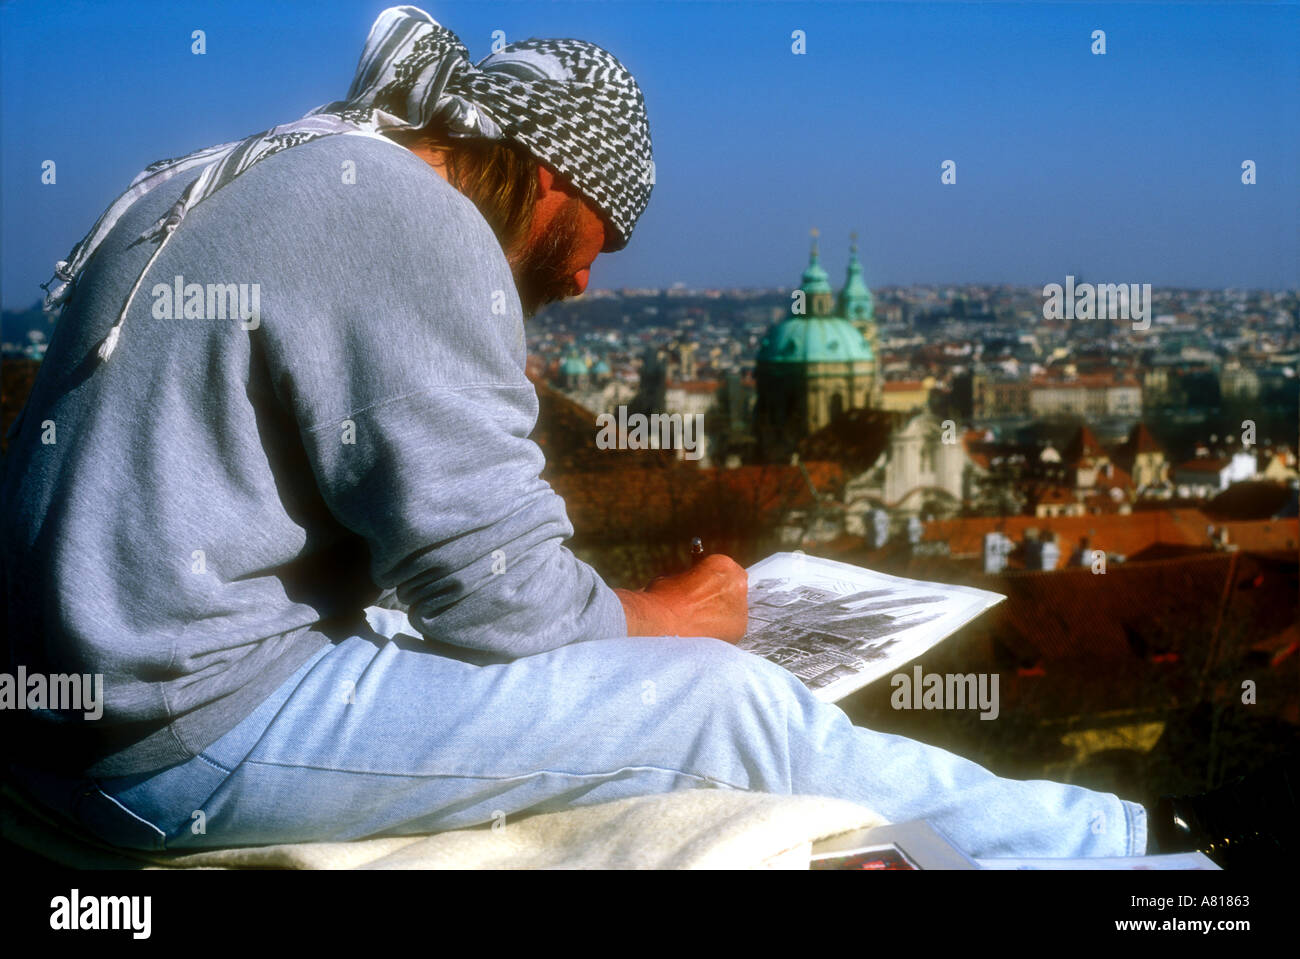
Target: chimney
(996, 549)
(914, 530)
(878, 529)
(1041, 553)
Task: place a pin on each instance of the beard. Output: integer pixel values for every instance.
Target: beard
(542, 269)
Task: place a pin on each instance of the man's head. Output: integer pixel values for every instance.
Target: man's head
(565, 237)
(550, 233)
(549, 138)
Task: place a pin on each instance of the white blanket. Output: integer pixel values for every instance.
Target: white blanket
(688, 829)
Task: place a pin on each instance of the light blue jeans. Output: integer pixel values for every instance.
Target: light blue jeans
(387, 734)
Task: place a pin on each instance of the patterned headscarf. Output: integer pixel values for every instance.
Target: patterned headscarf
(569, 103)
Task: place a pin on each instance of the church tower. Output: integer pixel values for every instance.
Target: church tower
(858, 307)
(815, 363)
(818, 299)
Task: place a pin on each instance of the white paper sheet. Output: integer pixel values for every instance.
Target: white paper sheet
(839, 627)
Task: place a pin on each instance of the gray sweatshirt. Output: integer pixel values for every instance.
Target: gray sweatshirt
(198, 515)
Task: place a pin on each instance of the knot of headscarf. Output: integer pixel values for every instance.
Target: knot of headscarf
(568, 103)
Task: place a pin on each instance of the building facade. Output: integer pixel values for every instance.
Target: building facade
(817, 362)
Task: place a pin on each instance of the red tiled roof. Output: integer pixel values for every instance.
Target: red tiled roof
(1139, 636)
(1084, 444)
(1118, 479)
(1250, 499)
(694, 386)
(1087, 381)
(1264, 536)
(969, 440)
(1136, 638)
(1203, 466)
(1126, 534)
(899, 386)
(1140, 440)
(1076, 613)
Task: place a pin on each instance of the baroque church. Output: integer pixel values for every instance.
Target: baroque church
(817, 362)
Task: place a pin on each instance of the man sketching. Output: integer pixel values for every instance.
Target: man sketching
(228, 495)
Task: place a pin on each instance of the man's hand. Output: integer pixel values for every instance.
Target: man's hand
(709, 600)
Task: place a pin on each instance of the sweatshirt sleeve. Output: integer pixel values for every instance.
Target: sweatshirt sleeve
(406, 377)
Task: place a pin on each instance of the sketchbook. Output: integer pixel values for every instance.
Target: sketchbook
(840, 627)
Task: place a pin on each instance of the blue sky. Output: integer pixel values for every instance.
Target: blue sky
(1121, 168)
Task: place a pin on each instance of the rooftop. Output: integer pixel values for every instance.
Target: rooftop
(1124, 534)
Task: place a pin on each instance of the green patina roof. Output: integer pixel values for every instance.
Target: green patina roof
(815, 278)
(856, 302)
(601, 367)
(819, 339)
(805, 338)
(573, 365)
(814, 339)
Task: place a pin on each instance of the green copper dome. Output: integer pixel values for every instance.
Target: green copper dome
(814, 339)
(810, 338)
(601, 368)
(856, 302)
(573, 365)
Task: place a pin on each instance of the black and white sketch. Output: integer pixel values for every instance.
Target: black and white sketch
(839, 627)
